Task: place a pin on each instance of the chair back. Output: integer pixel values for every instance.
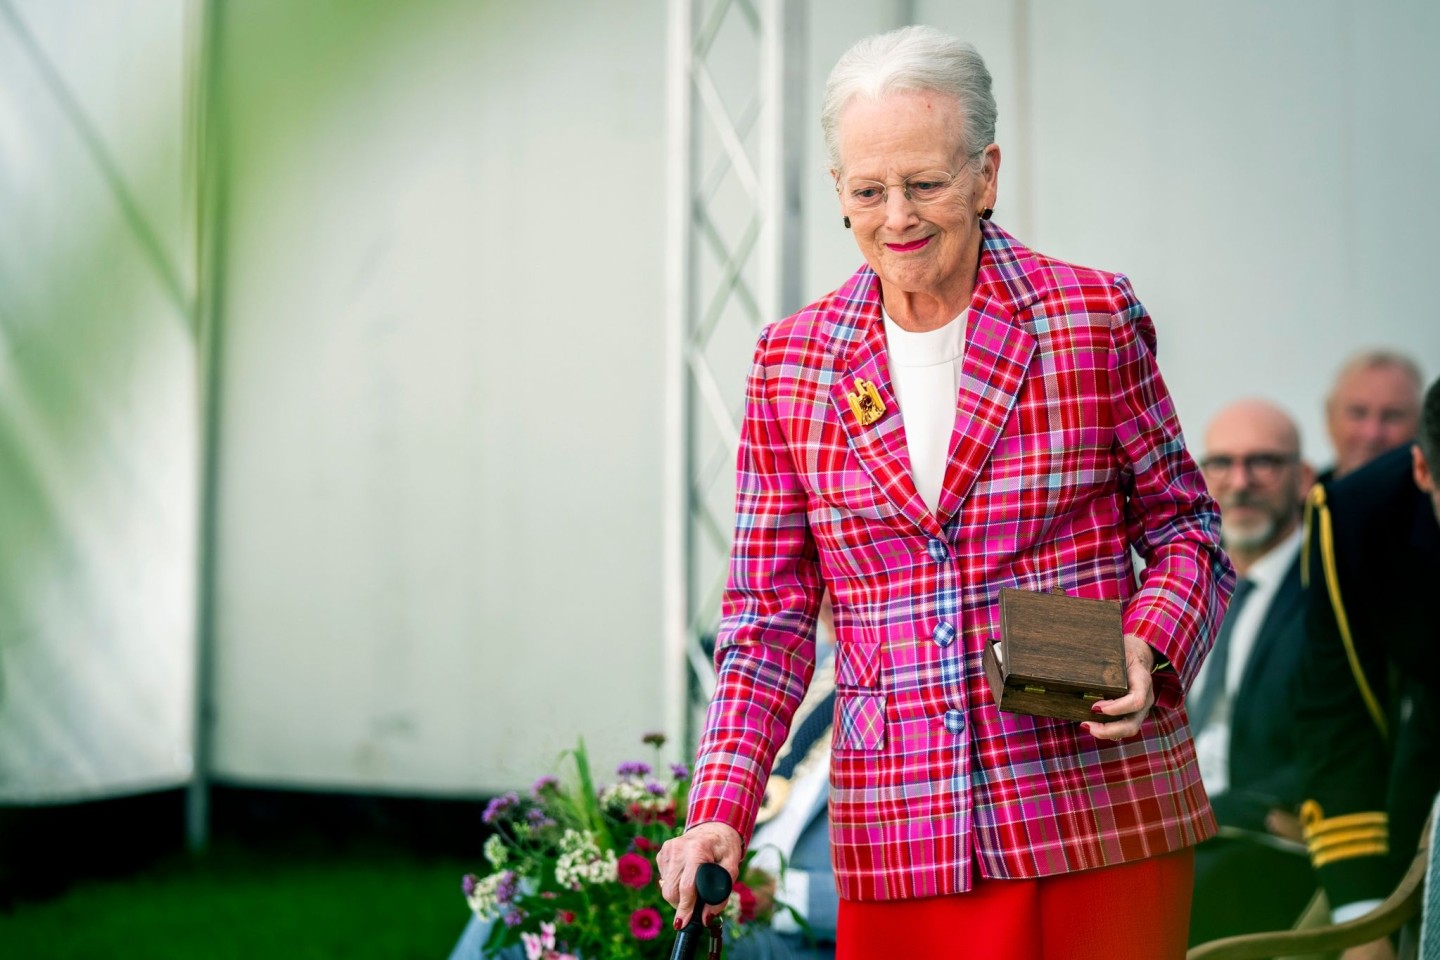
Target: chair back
(1430, 909)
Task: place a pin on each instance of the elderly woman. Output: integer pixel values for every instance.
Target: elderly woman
(962, 415)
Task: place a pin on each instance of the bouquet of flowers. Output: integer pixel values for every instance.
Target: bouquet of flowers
(572, 868)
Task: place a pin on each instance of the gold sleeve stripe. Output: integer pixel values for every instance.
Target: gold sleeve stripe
(1340, 838)
(1342, 620)
(1364, 834)
(1315, 822)
(1313, 819)
(1321, 858)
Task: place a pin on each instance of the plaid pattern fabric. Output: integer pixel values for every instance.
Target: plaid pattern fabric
(1066, 454)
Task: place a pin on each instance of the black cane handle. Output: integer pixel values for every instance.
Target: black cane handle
(712, 886)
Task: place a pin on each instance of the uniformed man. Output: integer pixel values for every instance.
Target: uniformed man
(1370, 683)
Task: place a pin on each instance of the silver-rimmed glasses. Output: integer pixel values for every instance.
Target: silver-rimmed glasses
(920, 188)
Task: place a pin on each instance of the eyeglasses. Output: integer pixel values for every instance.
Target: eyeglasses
(926, 187)
(1263, 467)
(920, 188)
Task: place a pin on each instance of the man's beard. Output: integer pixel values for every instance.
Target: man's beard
(1250, 539)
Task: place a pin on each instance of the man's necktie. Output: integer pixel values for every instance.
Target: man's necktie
(1218, 665)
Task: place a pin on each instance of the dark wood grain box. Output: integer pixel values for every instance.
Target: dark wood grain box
(1056, 655)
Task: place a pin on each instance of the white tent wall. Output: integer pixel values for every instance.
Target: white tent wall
(98, 425)
(439, 527)
(438, 542)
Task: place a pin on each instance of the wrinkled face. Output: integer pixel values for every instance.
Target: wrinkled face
(1253, 469)
(1373, 409)
(927, 248)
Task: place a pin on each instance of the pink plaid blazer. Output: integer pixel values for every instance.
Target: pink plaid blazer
(1066, 453)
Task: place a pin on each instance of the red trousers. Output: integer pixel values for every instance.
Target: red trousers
(1139, 909)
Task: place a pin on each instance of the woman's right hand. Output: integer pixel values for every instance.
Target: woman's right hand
(678, 859)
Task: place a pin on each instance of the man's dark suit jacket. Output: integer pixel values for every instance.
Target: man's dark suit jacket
(1241, 885)
(1264, 732)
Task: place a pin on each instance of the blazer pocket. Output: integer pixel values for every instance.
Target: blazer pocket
(857, 665)
(860, 721)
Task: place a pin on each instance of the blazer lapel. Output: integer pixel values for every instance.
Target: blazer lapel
(997, 353)
(1285, 608)
(857, 340)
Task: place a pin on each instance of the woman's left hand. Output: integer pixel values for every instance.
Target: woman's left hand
(1123, 715)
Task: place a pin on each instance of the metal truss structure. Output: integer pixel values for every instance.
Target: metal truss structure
(736, 94)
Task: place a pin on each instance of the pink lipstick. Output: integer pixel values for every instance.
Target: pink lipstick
(907, 247)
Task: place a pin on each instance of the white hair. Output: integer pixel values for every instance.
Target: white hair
(912, 58)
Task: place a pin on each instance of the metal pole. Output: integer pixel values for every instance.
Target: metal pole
(782, 150)
(210, 170)
(679, 266)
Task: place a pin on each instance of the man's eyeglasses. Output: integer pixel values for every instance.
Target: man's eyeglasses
(1263, 467)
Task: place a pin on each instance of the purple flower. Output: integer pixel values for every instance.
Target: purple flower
(645, 923)
(633, 768)
(655, 789)
(499, 805)
(513, 918)
(544, 784)
(468, 883)
(505, 889)
(538, 818)
(679, 771)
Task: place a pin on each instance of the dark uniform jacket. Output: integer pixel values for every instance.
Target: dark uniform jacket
(1370, 680)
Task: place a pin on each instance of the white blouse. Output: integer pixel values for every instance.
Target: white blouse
(925, 371)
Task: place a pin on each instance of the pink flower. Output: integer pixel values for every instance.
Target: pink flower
(645, 923)
(541, 946)
(643, 814)
(748, 903)
(633, 870)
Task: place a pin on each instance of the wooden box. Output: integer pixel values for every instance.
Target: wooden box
(1056, 654)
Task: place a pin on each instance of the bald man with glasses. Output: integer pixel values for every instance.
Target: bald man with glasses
(1254, 875)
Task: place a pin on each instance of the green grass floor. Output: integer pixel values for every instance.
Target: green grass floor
(241, 902)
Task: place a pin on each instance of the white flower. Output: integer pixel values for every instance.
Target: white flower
(581, 861)
(495, 851)
(482, 899)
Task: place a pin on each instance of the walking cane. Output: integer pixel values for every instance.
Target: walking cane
(712, 885)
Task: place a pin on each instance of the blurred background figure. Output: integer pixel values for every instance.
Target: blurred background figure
(1254, 875)
(1370, 677)
(1374, 406)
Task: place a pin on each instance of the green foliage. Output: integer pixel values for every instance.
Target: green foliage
(235, 904)
(572, 868)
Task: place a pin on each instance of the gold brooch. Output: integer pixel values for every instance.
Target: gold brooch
(865, 403)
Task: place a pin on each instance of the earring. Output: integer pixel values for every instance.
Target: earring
(847, 223)
(985, 214)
